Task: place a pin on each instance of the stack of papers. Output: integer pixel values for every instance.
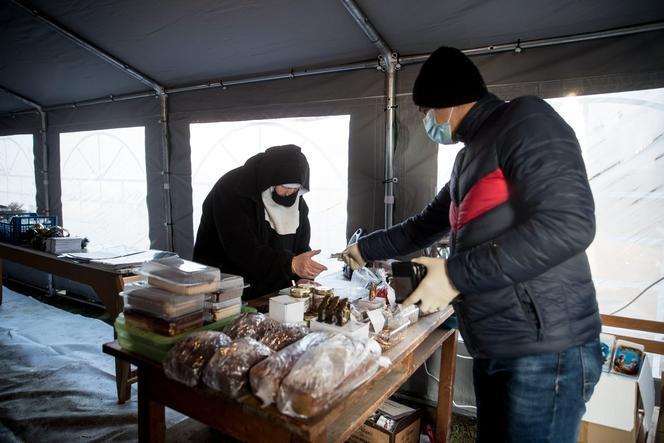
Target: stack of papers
(58, 245)
(118, 263)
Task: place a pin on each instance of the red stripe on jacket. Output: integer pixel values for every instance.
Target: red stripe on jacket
(487, 193)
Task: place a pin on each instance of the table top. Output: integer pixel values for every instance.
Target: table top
(420, 341)
(40, 259)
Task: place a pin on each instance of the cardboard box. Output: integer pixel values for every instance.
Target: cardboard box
(406, 426)
(620, 409)
(286, 309)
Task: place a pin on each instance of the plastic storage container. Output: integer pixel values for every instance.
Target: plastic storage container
(181, 276)
(230, 281)
(215, 306)
(170, 327)
(155, 346)
(160, 303)
(14, 229)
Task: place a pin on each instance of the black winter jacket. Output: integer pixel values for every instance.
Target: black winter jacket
(520, 215)
(234, 235)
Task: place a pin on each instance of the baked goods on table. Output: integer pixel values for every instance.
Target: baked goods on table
(260, 327)
(228, 369)
(169, 327)
(185, 361)
(248, 325)
(266, 376)
(326, 373)
(279, 335)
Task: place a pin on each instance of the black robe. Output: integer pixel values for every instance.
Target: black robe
(234, 235)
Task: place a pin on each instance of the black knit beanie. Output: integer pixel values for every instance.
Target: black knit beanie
(448, 78)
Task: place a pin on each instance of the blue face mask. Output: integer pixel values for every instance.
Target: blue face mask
(440, 133)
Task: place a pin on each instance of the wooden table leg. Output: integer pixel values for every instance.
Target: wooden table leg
(108, 293)
(151, 414)
(122, 374)
(446, 387)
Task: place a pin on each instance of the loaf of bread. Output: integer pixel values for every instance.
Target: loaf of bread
(248, 325)
(185, 361)
(326, 373)
(279, 335)
(228, 369)
(266, 376)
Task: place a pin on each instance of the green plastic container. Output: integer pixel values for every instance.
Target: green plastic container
(155, 346)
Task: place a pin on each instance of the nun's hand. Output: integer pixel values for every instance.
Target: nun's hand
(305, 267)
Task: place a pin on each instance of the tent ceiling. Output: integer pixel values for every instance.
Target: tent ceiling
(179, 43)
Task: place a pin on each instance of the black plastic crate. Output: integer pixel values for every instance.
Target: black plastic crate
(14, 230)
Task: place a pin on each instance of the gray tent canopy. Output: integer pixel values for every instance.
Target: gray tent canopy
(212, 60)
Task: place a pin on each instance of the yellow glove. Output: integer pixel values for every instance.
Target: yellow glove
(353, 257)
(436, 290)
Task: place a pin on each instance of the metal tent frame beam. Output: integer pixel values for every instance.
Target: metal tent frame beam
(540, 43)
(403, 60)
(89, 46)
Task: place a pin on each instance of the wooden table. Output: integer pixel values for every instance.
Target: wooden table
(246, 420)
(106, 284)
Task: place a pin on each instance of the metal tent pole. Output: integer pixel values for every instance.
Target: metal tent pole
(44, 144)
(166, 173)
(521, 45)
(389, 62)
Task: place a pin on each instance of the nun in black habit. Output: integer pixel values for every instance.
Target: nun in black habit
(255, 222)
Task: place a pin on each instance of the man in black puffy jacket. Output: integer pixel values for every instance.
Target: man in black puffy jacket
(520, 215)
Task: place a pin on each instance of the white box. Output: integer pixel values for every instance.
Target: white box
(353, 328)
(612, 413)
(286, 309)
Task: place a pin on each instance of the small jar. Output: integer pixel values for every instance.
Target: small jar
(320, 292)
(323, 290)
(299, 292)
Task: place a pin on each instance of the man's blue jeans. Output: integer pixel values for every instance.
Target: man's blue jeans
(537, 398)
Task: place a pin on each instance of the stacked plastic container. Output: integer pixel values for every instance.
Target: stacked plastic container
(175, 299)
(227, 301)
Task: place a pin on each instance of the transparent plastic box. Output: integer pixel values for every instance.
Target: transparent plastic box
(181, 276)
(160, 303)
(230, 281)
(170, 327)
(215, 306)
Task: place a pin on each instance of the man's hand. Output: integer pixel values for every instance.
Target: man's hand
(436, 290)
(303, 266)
(353, 257)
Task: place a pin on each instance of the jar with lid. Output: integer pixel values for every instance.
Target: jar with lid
(319, 294)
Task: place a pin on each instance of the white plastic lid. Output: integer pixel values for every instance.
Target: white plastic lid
(178, 271)
(231, 281)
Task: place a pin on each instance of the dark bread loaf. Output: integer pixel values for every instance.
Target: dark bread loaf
(228, 369)
(185, 361)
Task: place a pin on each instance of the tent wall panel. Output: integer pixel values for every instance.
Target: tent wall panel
(607, 65)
